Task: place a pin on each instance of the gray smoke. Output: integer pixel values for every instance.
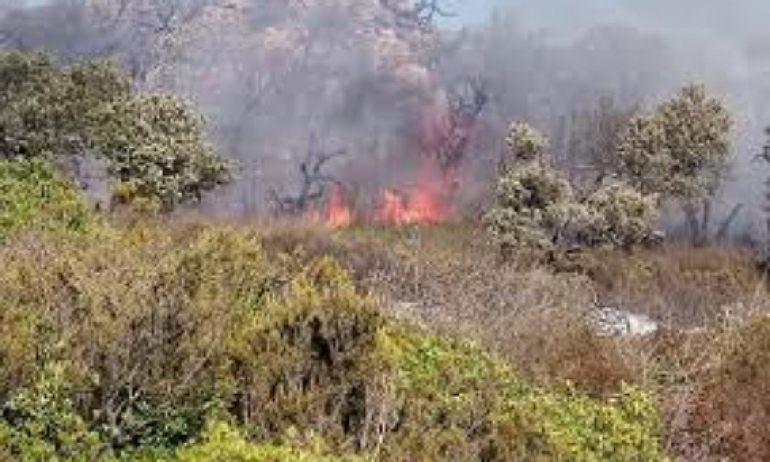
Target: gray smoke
(723, 44)
(277, 76)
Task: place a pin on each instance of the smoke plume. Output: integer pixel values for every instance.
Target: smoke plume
(385, 83)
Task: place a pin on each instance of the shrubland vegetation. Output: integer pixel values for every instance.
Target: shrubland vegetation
(147, 340)
(140, 331)
(152, 146)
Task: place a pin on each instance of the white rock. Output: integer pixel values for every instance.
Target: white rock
(618, 323)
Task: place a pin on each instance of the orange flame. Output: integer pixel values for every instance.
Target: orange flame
(431, 199)
(419, 207)
(337, 213)
(426, 203)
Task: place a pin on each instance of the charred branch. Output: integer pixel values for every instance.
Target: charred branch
(724, 228)
(314, 182)
(465, 108)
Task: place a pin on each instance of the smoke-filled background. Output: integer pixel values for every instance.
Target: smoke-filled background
(407, 94)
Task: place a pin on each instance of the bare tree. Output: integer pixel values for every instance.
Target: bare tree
(465, 107)
(314, 181)
(765, 157)
(587, 140)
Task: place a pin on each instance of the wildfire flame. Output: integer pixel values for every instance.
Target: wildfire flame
(424, 204)
(430, 200)
(337, 213)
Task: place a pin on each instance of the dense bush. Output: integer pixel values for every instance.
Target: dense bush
(461, 403)
(224, 442)
(537, 208)
(154, 146)
(34, 195)
(680, 152)
(41, 423)
(681, 149)
(154, 332)
(622, 217)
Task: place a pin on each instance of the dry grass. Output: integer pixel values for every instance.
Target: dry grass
(450, 281)
(682, 287)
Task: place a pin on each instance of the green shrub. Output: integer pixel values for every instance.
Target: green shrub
(154, 145)
(223, 442)
(537, 208)
(461, 403)
(622, 217)
(681, 149)
(158, 152)
(308, 360)
(33, 194)
(145, 320)
(531, 196)
(161, 329)
(525, 143)
(40, 423)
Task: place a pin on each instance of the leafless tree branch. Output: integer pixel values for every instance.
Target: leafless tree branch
(314, 181)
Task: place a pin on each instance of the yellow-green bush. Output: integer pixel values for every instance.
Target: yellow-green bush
(40, 424)
(144, 324)
(33, 194)
(159, 330)
(224, 442)
(460, 403)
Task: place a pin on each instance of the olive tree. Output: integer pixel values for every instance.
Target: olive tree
(153, 146)
(679, 151)
(536, 206)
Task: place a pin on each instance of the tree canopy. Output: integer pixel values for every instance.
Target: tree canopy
(681, 149)
(154, 146)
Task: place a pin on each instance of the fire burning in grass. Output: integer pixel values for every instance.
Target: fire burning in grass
(427, 202)
(445, 131)
(337, 213)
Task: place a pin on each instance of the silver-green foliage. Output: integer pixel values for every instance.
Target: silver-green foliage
(530, 194)
(622, 216)
(537, 208)
(154, 145)
(681, 149)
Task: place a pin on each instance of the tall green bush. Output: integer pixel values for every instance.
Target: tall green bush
(161, 330)
(681, 149)
(680, 152)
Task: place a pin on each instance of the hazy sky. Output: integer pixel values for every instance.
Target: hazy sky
(733, 18)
